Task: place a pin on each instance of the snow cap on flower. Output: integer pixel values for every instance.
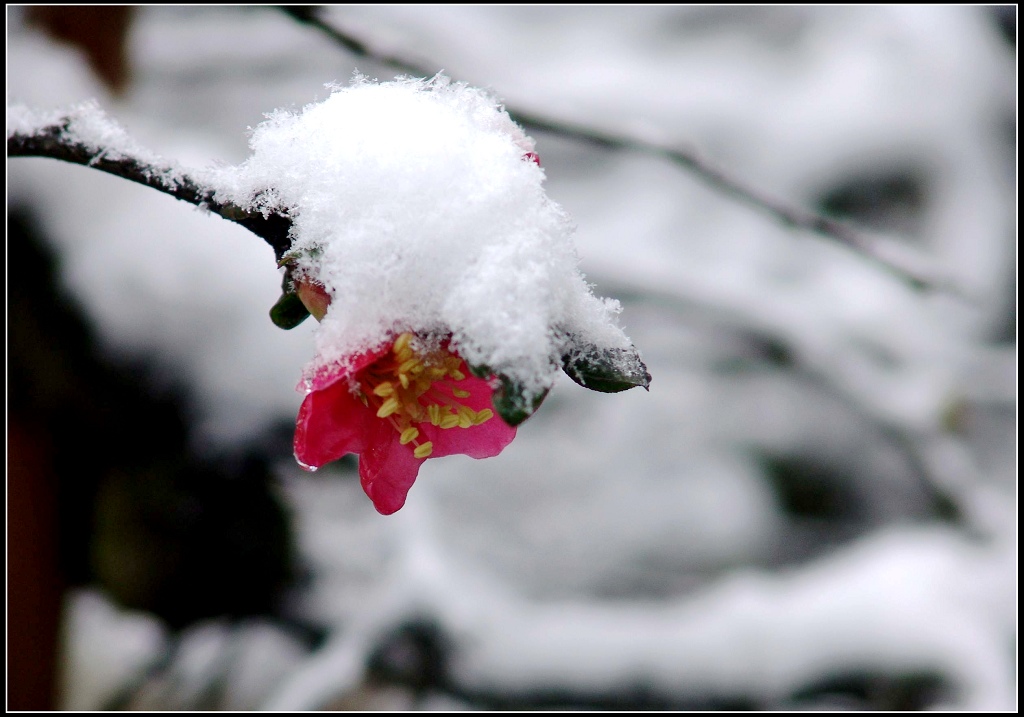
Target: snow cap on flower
(418, 207)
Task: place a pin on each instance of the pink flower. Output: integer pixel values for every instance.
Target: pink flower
(397, 406)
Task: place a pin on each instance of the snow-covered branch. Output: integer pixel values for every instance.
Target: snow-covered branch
(85, 135)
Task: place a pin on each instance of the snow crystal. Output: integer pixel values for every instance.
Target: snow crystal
(87, 125)
(28, 121)
(414, 204)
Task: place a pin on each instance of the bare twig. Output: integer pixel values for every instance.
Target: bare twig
(55, 142)
(907, 268)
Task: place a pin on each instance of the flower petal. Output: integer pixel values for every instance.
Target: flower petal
(331, 423)
(326, 376)
(387, 469)
(483, 441)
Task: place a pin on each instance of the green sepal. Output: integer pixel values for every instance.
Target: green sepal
(607, 370)
(482, 371)
(513, 403)
(289, 311)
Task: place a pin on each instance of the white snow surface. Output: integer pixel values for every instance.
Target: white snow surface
(414, 204)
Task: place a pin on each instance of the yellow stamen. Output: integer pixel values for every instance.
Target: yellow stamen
(385, 389)
(392, 405)
(402, 342)
(411, 386)
(466, 416)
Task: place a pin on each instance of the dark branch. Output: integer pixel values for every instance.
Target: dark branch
(54, 142)
(789, 215)
(919, 277)
(310, 15)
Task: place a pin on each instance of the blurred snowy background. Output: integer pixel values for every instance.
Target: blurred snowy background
(814, 506)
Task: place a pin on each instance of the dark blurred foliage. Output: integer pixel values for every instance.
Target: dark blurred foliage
(34, 584)
(414, 656)
(1005, 16)
(1006, 19)
(862, 691)
(104, 460)
(99, 32)
(890, 200)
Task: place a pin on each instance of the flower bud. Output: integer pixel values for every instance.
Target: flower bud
(314, 297)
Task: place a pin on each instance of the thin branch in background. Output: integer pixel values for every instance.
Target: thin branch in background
(55, 142)
(910, 268)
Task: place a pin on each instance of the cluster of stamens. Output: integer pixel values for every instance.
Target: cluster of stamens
(407, 387)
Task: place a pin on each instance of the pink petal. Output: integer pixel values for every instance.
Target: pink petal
(483, 441)
(331, 423)
(387, 469)
(326, 376)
